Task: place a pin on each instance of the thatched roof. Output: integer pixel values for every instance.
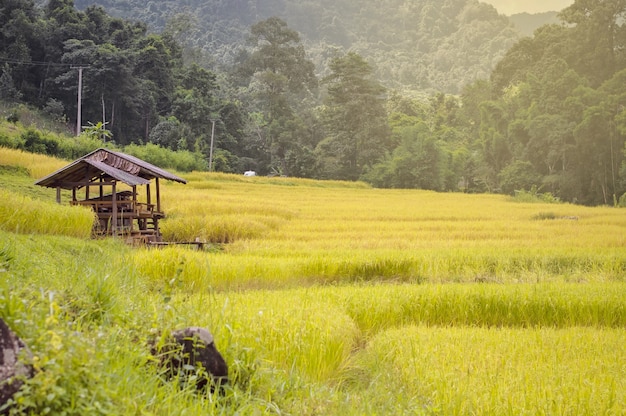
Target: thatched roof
(109, 165)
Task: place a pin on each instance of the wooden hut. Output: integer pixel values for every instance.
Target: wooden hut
(112, 183)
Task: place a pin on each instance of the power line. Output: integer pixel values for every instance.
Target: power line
(80, 68)
(38, 63)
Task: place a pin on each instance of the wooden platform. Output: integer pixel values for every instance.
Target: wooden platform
(198, 244)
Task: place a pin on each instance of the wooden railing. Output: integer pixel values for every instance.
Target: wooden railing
(134, 209)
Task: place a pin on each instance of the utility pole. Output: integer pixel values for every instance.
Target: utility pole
(211, 148)
(80, 93)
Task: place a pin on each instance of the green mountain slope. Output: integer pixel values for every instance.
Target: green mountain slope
(527, 23)
(421, 45)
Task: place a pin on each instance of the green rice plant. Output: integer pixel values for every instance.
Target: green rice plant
(17, 180)
(215, 229)
(422, 235)
(328, 299)
(293, 350)
(218, 177)
(25, 215)
(88, 288)
(38, 165)
(292, 330)
(169, 269)
(245, 266)
(468, 370)
(562, 305)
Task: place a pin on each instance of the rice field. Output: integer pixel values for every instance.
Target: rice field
(286, 234)
(325, 298)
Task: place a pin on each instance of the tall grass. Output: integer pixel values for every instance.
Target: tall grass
(173, 268)
(292, 331)
(529, 305)
(338, 233)
(466, 370)
(87, 310)
(37, 165)
(21, 214)
(225, 270)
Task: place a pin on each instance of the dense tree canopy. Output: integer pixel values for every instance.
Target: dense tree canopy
(355, 117)
(550, 117)
(279, 78)
(419, 44)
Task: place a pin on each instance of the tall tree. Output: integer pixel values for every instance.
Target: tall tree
(599, 37)
(280, 78)
(355, 118)
(600, 139)
(195, 104)
(19, 46)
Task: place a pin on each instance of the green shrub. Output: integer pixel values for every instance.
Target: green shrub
(76, 147)
(54, 108)
(533, 195)
(36, 142)
(13, 118)
(183, 161)
(12, 142)
(544, 216)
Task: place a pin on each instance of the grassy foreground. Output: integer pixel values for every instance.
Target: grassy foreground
(324, 298)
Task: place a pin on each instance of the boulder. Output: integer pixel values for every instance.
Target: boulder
(187, 350)
(12, 371)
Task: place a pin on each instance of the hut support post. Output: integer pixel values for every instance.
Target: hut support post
(158, 195)
(113, 211)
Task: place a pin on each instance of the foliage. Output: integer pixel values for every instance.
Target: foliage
(34, 142)
(280, 77)
(22, 214)
(533, 195)
(428, 44)
(550, 116)
(182, 160)
(55, 109)
(518, 175)
(558, 110)
(69, 148)
(355, 119)
(96, 131)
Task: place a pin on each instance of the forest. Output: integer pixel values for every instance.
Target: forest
(549, 118)
(422, 45)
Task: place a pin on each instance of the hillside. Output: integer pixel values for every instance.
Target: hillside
(527, 23)
(512, 7)
(423, 45)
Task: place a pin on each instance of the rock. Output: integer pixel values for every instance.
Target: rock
(190, 348)
(12, 372)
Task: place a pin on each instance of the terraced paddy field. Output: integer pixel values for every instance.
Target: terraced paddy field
(323, 297)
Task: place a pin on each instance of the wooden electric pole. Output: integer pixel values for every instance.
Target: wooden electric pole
(213, 120)
(80, 93)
